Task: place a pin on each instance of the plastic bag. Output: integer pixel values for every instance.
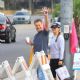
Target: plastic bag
(63, 73)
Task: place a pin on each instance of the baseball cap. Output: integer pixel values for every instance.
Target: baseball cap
(56, 24)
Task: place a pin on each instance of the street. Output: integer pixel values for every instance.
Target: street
(11, 51)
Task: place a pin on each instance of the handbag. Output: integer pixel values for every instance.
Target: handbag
(63, 73)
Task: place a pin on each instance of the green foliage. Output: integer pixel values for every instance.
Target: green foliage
(76, 7)
(56, 11)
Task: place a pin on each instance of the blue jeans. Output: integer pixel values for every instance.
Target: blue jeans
(40, 74)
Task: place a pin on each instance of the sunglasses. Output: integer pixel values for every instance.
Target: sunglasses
(55, 27)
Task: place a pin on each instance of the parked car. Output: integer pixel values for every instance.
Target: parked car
(22, 16)
(7, 30)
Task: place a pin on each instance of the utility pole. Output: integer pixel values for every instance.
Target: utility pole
(52, 5)
(30, 5)
(66, 21)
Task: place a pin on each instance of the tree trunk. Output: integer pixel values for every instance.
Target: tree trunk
(77, 24)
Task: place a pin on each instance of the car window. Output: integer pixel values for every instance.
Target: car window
(2, 19)
(22, 13)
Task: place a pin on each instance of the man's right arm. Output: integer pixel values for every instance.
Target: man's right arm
(45, 12)
(29, 42)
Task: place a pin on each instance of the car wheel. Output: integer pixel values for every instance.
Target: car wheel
(8, 39)
(14, 39)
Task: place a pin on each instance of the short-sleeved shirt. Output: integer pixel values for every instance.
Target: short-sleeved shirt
(41, 41)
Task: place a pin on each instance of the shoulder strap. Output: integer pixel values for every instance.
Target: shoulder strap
(57, 37)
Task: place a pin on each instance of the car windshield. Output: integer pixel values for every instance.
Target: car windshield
(2, 19)
(22, 13)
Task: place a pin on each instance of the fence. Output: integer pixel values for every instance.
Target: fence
(28, 72)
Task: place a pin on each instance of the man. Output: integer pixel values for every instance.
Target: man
(40, 41)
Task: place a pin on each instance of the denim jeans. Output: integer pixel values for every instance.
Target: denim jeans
(40, 74)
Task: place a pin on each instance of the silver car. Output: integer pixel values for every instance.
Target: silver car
(22, 17)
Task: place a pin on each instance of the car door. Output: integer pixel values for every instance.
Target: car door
(12, 30)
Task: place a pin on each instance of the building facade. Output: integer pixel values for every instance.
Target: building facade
(2, 4)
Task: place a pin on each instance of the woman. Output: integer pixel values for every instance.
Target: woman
(56, 45)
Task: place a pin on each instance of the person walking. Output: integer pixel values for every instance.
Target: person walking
(57, 46)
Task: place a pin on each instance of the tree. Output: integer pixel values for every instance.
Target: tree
(56, 12)
(76, 7)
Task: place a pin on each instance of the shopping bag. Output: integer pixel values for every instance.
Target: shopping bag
(34, 74)
(63, 73)
(31, 55)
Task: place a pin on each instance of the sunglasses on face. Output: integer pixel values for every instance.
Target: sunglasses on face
(55, 27)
